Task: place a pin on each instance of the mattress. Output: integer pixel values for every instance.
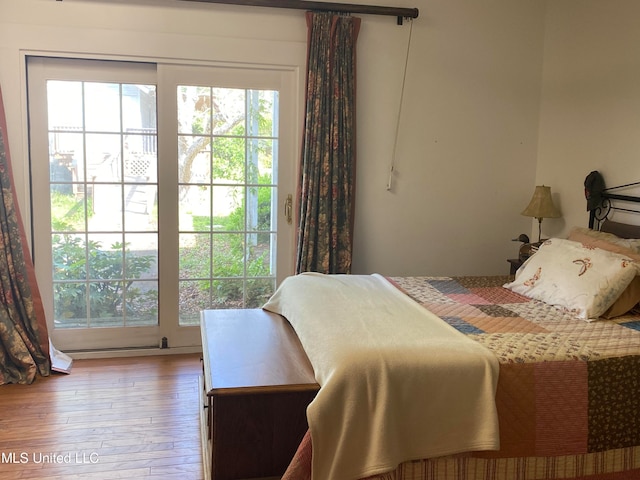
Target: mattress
(568, 395)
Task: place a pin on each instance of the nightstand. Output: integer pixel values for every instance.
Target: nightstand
(515, 264)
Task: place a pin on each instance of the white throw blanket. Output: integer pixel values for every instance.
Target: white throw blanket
(397, 382)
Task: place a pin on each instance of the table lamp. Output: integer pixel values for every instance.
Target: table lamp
(541, 206)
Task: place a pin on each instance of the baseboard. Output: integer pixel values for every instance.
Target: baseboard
(131, 352)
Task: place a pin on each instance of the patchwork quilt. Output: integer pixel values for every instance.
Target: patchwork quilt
(566, 386)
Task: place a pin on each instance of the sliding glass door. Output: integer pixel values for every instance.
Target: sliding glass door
(156, 193)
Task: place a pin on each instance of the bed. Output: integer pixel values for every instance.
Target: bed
(567, 388)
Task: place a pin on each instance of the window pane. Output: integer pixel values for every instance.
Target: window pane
(227, 162)
(139, 112)
(68, 211)
(69, 257)
(194, 159)
(107, 208)
(194, 297)
(64, 103)
(195, 209)
(265, 163)
(195, 256)
(228, 293)
(102, 107)
(66, 157)
(260, 113)
(194, 110)
(230, 108)
(259, 217)
(104, 162)
(228, 255)
(105, 253)
(70, 305)
(140, 206)
(106, 302)
(228, 208)
(261, 254)
(141, 255)
(141, 303)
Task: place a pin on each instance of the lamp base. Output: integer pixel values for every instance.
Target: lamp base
(539, 230)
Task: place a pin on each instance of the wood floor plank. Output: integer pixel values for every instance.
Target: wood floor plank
(133, 418)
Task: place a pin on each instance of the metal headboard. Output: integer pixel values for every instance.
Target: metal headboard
(600, 211)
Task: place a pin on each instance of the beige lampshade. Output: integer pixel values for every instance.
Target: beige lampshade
(541, 204)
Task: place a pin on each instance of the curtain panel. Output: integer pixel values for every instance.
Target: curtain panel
(326, 189)
(24, 340)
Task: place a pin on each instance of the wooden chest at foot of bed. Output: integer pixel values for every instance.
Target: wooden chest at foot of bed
(257, 384)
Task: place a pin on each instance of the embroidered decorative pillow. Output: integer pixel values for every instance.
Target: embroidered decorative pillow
(581, 279)
(631, 295)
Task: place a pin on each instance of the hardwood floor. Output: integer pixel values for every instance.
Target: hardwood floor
(122, 418)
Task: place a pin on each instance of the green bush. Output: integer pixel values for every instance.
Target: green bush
(109, 274)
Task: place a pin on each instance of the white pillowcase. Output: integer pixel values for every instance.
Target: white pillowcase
(583, 280)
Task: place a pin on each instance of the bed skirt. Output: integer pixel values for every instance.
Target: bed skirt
(619, 464)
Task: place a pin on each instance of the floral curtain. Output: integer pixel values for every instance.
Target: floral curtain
(24, 341)
(327, 174)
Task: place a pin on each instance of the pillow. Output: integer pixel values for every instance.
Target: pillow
(631, 295)
(581, 279)
(628, 299)
(579, 234)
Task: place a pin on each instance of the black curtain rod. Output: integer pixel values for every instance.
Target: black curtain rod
(398, 12)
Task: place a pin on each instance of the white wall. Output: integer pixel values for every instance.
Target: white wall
(590, 110)
(468, 138)
(467, 146)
